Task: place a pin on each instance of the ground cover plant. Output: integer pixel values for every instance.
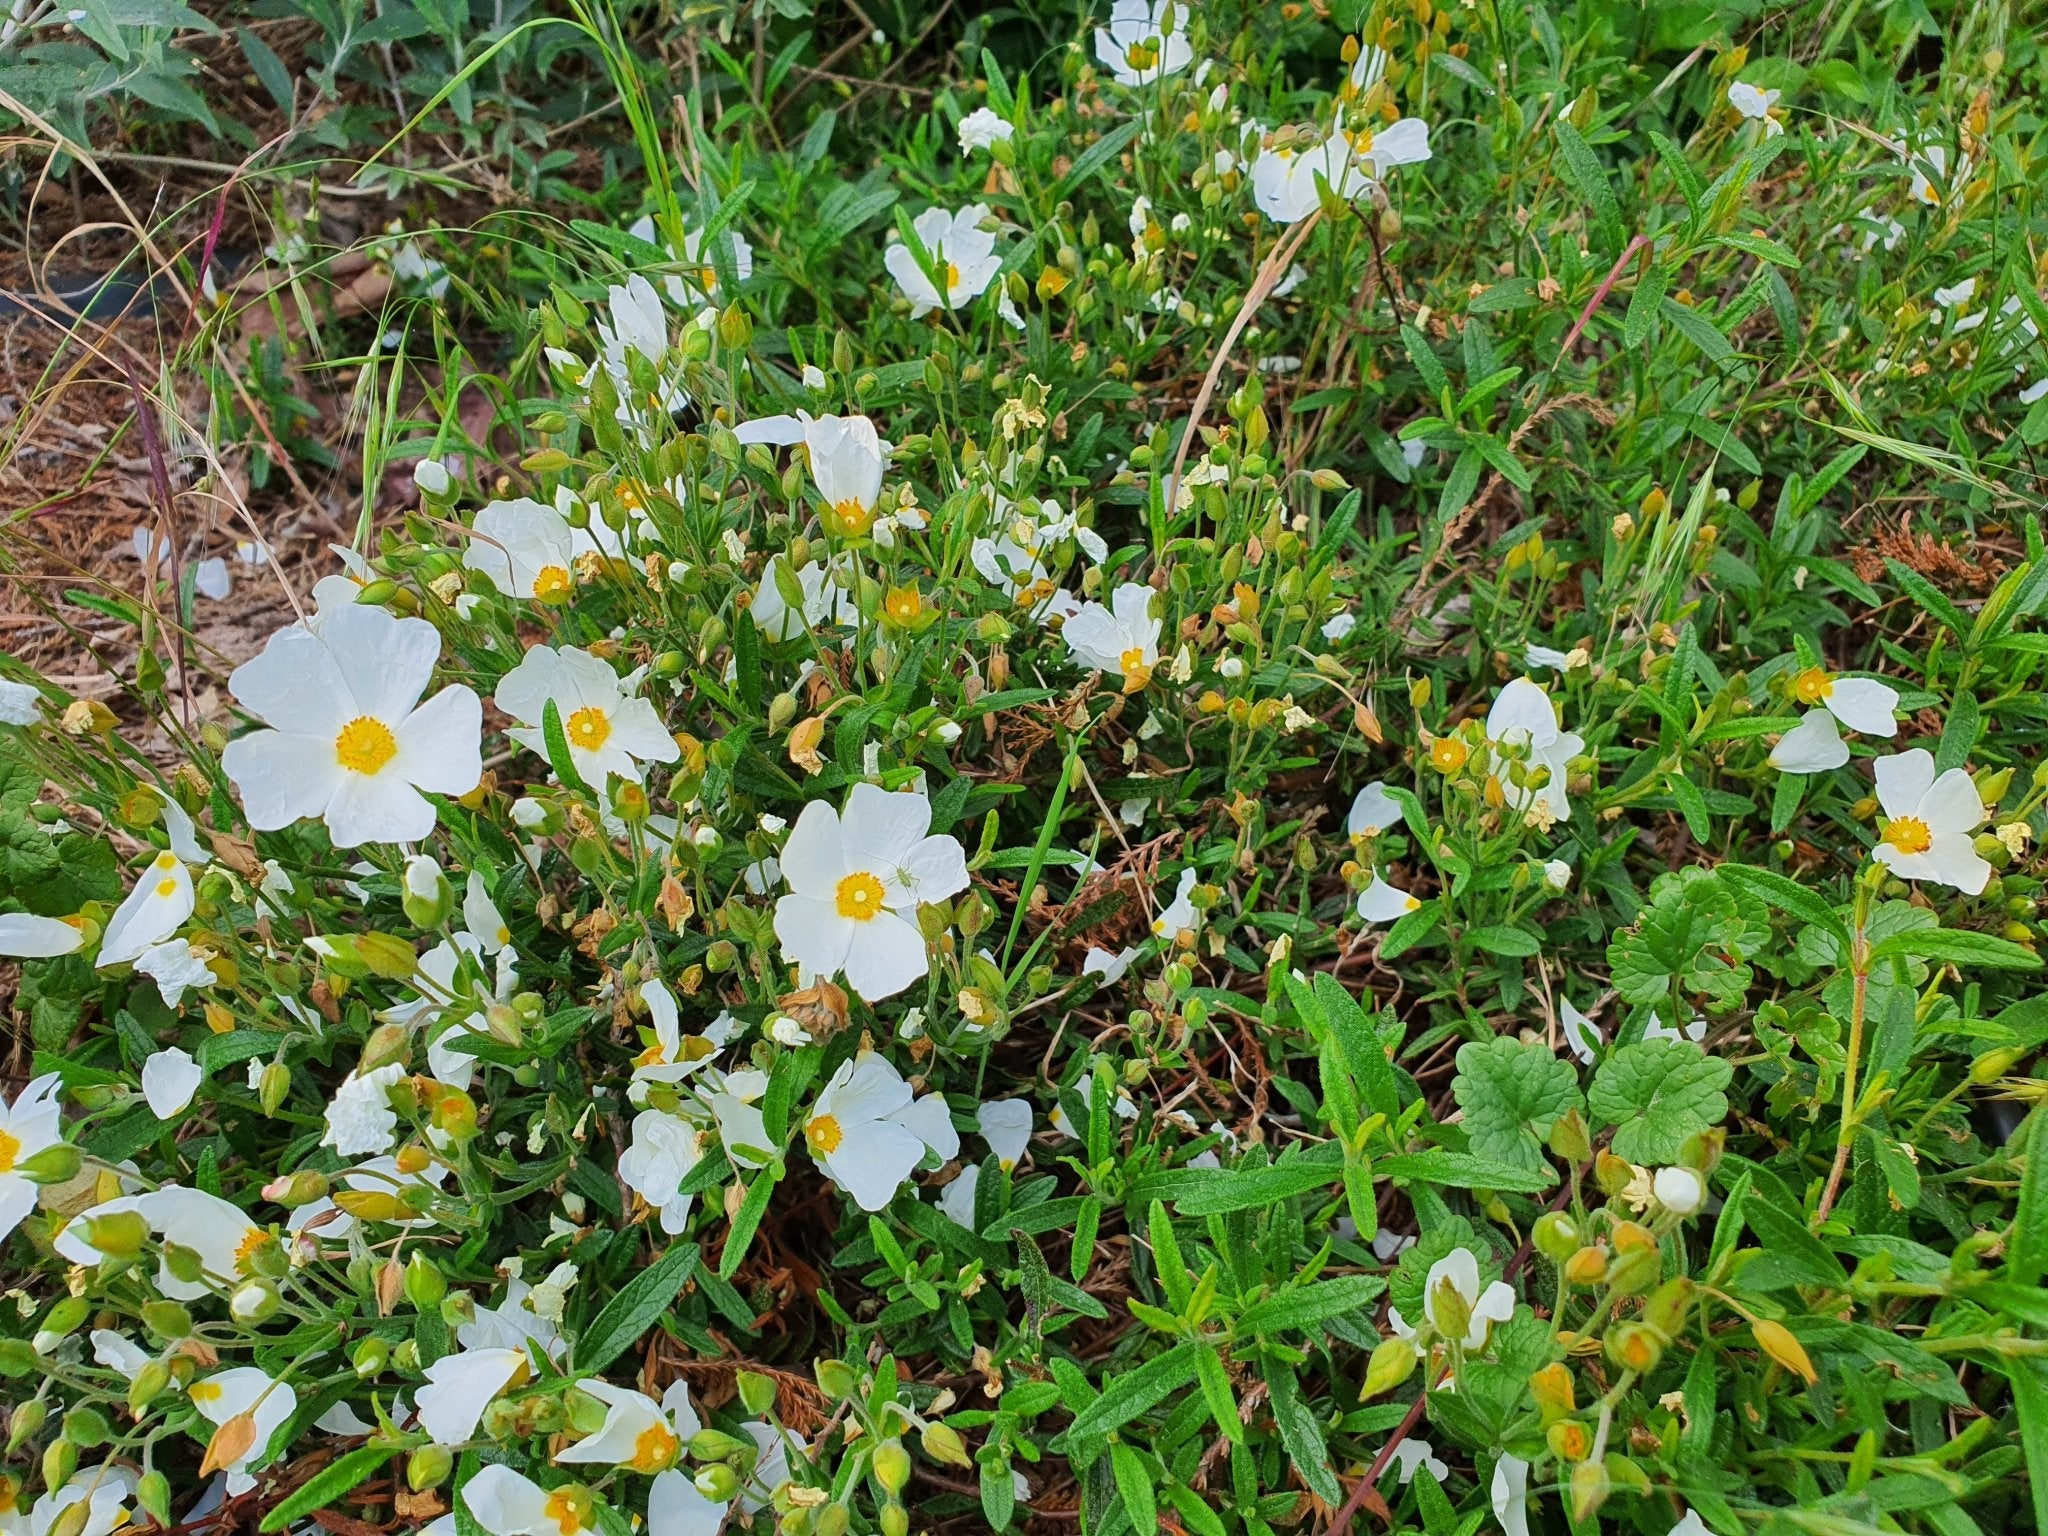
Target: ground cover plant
(1228, 769)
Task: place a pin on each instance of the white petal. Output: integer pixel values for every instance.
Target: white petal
(1814, 745)
(1864, 704)
(1902, 779)
(169, 1079)
(24, 936)
(1951, 804)
(886, 955)
(1006, 1127)
(873, 1161)
(814, 858)
(1374, 810)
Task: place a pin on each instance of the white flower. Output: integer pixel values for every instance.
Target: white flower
(517, 1321)
(360, 1120)
(229, 1394)
(1136, 46)
(1657, 1029)
(1752, 103)
(169, 1079)
(1284, 178)
(179, 830)
(1580, 1032)
(963, 259)
(1339, 626)
(1372, 810)
(785, 1031)
(673, 1056)
(1690, 1524)
(1929, 822)
(1930, 172)
(1122, 638)
(348, 739)
(176, 967)
(481, 917)
(28, 1125)
(1181, 914)
(981, 128)
(1110, 968)
(1815, 745)
(637, 1432)
(1006, 1127)
(527, 549)
(118, 1352)
(1680, 1191)
(956, 1200)
(1509, 1495)
(1459, 1269)
(856, 881)
(1522, 717)
(220, 1233)
(431, 476)
(105, 1490)
(869, 1134)
(1412, 1454)
(607, 728)
(1384, 902)
(460, 1387)
(151, 913)
(24, 936)
(847, 460)
(1557, 875)
(1388, 1246)
(665, 1148)
(703, 268)
(20, 703)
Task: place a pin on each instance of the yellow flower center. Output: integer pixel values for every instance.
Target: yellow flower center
(952, 277)
(654, 1449)
(246, 1250)
(365, 745)
(550, 583)
(1141, 56)
(1447, 754)
(1908, 834)
(707, 278)
(859, 897)
(561, 1507)
(903, 604)
(204, 1391)
(1137, 671)
(1812, 686)
(10, 1149)
(853, 517)
(589, 728)
(824, 1135)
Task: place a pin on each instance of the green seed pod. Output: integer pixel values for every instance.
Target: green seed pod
(892, 1466)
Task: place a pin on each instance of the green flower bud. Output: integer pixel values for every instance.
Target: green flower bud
(58, 1163)
(1556, 1236)
(24, 1423)
(895, 1520)
(892, 1466)
(424, 1283)
(166, 1319)
(60, 1460)
(371, 1356)
(65, 1315)
(757, 1392)
(1635, 1270)
(836, 1379)
(153, 1493)
(943, 1444)
(148, 1384)
(274, 1087)
(1393, 1362)
(428, 1467)
(17, 1358)
(254, 1302)
(119, 1235)
(716, 1445)
(717, 1482)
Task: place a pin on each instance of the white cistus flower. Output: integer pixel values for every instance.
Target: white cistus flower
(606, 726)
(1523, 717)
(347, 738)
(856, 880)
(869, 1133)
(1121, 639)
(1930, 823)
(963, 259)
(1137, 46)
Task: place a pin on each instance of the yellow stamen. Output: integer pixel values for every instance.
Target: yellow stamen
(1137, 671)
(824, 1135)
(952, 277)
(1812, 686)
(561, 1508)
(551, 582)
(365, 745)
(853, 517)
(246, 1250)
(903, 605)
(654, 1449)
(1908, 834)
(859, 897)
(10, 1149)
(1447, 754)
(589, 728)
(203, 1391)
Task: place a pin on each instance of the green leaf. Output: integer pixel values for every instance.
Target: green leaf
(1098, 155)
(1240, 1189)
(630, 1313)
(1792, 1255)
(1512, 1094)
(558, 750)
(1305, 1306)
(1659, 1094)
(1217, 1393)
(1126, 1396)
(1586, 173)
(1504, 939)
(1958, 946)
(1461, 1170)
(2030, 1403)
(327, 1485)
(1692, 936)
(1300, 1434)
(1786, 895)
(2026, 1255)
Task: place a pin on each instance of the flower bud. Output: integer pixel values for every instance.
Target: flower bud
(254, 1301)
(1635, 1271)
(892, 1466)
(1586, 1267)
(428, 1467)
(1612, 1173)
(58, 1163)
(1552, 1389)
(1569, 1440)
(273, 1087)
(1556, 1236)
(717, 1482)
(716, 1445)
(424, 1283)
(1634, 1346)
(371, 1356)
(386, 1043)
(942, 1443)
(1449, 1309)
(24, 1422)
(1776, 1340)
(297, 1189)
(1569, 1138)
(1668, 1305)
(1589, 1490)
(836, 1379)
(1679, 1190)
(86, 1427)
(148, 1384)
(17, 1358)
(757, 1392)
(153, 1493)
(71, 1519)
(166, 1319)
(60, 1460)
(895, 1520)
(118, 1234)
(427, 897)
(1393, 1362)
